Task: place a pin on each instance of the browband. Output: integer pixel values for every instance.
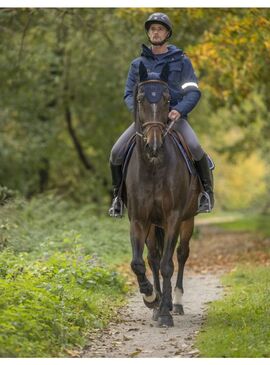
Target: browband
(153, 81)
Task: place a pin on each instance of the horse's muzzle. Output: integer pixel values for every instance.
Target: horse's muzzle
(152, 150)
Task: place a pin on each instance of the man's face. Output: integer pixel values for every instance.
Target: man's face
(157, 33)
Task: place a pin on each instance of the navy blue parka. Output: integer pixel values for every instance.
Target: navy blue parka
(182, 82)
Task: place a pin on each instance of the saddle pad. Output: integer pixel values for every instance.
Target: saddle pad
(129, 149)
(211, 163)
(187, 155)
(183, 152)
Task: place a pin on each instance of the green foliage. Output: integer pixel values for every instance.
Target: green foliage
(6, 194)
(54, 285)
(48, 306)
(239, 324)
(49, 224)
(259, 224)
(60, 62)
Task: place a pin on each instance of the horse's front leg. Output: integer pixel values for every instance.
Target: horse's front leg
(154, 254)
(186, 230)
(166, 267)
(138, 233)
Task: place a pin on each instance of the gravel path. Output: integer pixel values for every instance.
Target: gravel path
(135, 334)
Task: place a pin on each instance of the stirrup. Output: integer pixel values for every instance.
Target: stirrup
(117, 208)
(206, 206)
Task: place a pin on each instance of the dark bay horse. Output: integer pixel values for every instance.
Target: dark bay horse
(162, 198)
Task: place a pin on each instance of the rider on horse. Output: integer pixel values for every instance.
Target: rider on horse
(185, 94)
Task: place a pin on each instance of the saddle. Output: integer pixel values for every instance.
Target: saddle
(178, 140)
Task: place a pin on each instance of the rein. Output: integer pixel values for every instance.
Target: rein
(157, 124)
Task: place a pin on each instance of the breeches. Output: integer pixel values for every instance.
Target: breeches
(182, 126)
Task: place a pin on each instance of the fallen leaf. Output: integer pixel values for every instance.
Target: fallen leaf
(135, 353)
(125, 338)
(73, 353)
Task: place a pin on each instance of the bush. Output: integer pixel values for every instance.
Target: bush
(48, 224)
(6, 194)
(47, 306)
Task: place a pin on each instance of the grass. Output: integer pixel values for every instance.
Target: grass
(248, 223)
(239, 324)
(57, 275)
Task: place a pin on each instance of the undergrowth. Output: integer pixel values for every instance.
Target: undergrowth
(57, 275)
(48, 306)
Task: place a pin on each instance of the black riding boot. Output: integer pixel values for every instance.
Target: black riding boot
(206, 198)
(116, 210)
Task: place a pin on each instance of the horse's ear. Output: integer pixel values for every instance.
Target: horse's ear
(142, 72)
(165, 72)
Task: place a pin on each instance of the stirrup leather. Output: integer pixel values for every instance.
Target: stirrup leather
(117, 208)
(205, 206)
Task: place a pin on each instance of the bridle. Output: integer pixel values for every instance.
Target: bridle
(163, 128)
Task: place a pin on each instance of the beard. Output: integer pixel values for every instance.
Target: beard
(157, 42)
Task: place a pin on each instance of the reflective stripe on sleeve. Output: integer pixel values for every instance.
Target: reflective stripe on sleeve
(187, 84)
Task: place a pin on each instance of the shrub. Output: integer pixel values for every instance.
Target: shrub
(47, 306)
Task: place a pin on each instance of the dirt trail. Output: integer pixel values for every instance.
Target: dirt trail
(135, 334)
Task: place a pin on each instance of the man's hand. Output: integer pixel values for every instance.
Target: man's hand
(174, 115)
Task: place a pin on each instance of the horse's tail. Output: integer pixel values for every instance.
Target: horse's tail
(159, 233)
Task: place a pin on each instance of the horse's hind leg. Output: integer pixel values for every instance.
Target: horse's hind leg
(138, 233)
(186, 230)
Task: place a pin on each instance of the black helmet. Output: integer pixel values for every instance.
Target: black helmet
(160, 18)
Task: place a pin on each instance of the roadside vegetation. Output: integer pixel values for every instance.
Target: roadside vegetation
(57, 275)
(249, 223)
(238, 325)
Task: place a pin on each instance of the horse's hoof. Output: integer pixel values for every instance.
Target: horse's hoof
(165, 321)
(155, 314)
(178, 309)
(151, 304)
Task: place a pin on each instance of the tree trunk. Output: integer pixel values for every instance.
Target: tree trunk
(79, 149)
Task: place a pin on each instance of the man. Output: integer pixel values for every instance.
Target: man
(185, 94)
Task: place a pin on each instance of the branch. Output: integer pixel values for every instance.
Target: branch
(24, 34)
(76, 141)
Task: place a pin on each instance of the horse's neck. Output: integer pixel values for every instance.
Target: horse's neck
(148, 164)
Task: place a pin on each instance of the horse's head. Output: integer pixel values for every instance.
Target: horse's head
(152, 107)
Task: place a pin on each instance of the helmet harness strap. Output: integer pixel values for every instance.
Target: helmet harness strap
(159, 43)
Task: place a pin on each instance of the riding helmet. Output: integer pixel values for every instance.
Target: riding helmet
(159, 18)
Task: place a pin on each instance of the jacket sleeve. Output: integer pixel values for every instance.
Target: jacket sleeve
(129, 89)
(189, 89)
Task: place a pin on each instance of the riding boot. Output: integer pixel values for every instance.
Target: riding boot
(117, 208)
(206, 198)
